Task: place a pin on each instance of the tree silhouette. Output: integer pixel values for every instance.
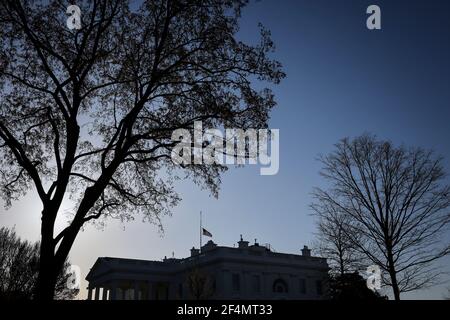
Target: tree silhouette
(19, 261)
(333, 241)
(397, 202)
(351, 287)
(200, 285)
(89, 113)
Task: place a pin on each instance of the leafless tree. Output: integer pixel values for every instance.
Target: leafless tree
(19, 260)
(89, 113)
(333, 241)
(398, 202)
(200, 285)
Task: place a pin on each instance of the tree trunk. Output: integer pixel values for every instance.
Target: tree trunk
(393, 275)
(46, 281)
(51, 266)
(395, 285)
(45, 287)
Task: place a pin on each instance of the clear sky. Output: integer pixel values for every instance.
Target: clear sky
(342, 80)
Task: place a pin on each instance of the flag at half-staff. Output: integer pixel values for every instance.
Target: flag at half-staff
(206, 232)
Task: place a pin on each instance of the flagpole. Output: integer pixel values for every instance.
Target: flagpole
(200, 249)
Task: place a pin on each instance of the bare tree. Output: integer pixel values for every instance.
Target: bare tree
(19, 261)
(397, 200)
(200, 285)
(333, 241)
(89, 113)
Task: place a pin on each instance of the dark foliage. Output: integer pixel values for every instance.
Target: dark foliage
(351, 287)
(19, 262)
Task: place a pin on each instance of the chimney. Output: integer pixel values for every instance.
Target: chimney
(306, 252)
(194, 252)
(242, 244)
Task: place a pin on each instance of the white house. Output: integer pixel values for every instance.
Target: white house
(217, 272)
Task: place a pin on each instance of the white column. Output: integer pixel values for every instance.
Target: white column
(89, 293)
(97, 293)
(113, 291)
(105, 293)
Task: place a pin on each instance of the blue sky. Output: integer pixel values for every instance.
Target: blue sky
(342, 80)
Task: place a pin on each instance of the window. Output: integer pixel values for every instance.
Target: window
(256, 284)
(302, 286)
(319, 287)
(280, 286)
(236, 282)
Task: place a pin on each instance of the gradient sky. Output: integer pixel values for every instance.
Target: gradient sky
(342, 80)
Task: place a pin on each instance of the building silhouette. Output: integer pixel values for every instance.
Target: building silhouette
(217, 272)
